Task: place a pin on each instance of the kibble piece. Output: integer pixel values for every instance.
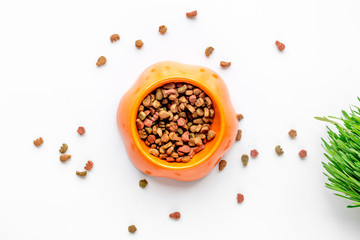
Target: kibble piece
(38, 141)
(245, 159)
(81, 174)
(239, 116)
(254, 153)
(191, 14)
(209, 51)
(139, 43)
(303, 153)
(280, 46)
(63, 148)
(143, 183)
(210, 135)
(154, 152)
(162, 29)
(222, 165)
(238, 135)
(292, 133)
(81, 130)
(240, 198)
(89, 165)
(101, 61)
(65, 157)
(279, 150)
(224, 64)
(115, 37)
(175, 215)
(132, 229)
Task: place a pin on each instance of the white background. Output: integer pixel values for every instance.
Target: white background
(49, 85)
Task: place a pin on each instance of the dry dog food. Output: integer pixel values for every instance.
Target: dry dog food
(280, 46)
(114, 37)
(303, 153)
(209, 51)
(65, 157)
(63, 148)
(224, 64)
(139, 43)
(191, 14)
(162, 29)
(81, 130)
(254, 153)
(89, 165)
(245, 159)
(143, 183)
(238, 135)
(240, 198)
(132, 229)
(81, 174)
(292, 133)
(101, 61)
(174, 121)
(38, 141)
(279, 150)
(239, 117)
(175, 215)
(222, 165)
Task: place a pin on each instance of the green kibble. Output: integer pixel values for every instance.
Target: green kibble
(142, 116)
(189, 124)
(180, 131)
(159, 95)
(143, 183)
(245, 159)
(191, 135)
(148, 130)
(182, 89)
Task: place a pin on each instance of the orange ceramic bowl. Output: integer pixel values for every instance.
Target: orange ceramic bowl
(224, 121)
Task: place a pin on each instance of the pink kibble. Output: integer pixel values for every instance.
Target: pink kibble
(147, 112)
(192, 99)
(254, 153)
(139, 124)
(303, 153)
(184, 149)
(148, 122)
(240, 198)
(181, 122)
(170, 159)
(169, 85)
(168, 92)
(151, 138)
(179, 85)
(155, 117)
(152, 110)
(185, 137)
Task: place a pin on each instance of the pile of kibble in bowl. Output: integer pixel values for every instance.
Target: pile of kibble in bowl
(174, 121)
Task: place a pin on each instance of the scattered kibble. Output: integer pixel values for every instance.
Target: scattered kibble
(162, 29)
(101, 61)
(89, 165)
(303, 153)
(292, 133)
(279, 150)
(132, 229)
(63, 148)
(222, 165)
(139, 43)
(175, 215)
(191, 14)
(254, 153)
(224, 64)
(81, 174)
(114, 37)
(209, 51)
(143, 183)
(38, 141)
(81, 130)
(238, 135)
(239, 117)
(280, 46)
(245, 159)
(65, 157)
(240, 198)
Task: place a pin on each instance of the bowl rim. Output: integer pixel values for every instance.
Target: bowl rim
(163, 163)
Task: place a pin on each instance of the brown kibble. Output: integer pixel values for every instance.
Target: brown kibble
(239, 117)
(209, 51)
(222, 165)
(143, 183)
(175, 215)
(115, 37)
(191, 14)
(210, 135)
(303, 153)
(81, 174)
(254, 153)
(238, 135)
(63, 148)
(81, 130)
(280, 46)
(139, 43)
(65, 157)
(224, 64)
(132, 229)
(245, 159)
(162, 29)
(101, 61)
(292, 133)
(279, 150)
(38, 141)
(89, 165)
(154, 152)
(240, 198)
